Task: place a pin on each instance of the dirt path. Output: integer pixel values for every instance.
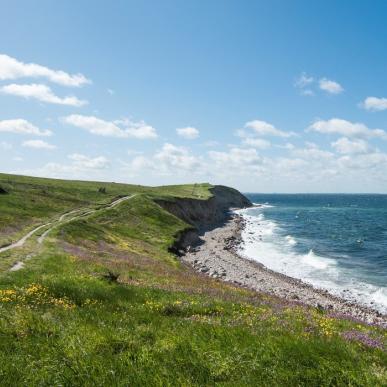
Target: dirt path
(61, 220)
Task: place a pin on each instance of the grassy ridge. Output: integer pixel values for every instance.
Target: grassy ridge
(65, 320)
(32, 201)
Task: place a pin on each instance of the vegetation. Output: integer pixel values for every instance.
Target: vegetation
(103, 302)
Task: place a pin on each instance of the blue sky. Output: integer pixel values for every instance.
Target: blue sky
(266, 96)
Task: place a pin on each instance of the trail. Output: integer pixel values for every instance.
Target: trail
(61, 220)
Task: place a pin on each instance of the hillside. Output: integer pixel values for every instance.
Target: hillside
(103, 301)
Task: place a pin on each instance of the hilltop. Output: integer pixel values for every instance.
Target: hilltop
(101, 298)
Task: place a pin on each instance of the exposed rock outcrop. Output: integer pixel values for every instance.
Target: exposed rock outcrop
(202, 214)
(206, 213)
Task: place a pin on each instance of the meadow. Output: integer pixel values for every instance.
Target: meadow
(102, 302)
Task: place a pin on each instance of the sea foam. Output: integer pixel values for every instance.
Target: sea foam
(265, 242)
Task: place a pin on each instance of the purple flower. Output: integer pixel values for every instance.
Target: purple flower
(363, 338)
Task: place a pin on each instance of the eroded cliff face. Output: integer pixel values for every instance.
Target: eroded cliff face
(203, 214)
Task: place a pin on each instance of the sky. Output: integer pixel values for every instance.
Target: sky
(264, 96)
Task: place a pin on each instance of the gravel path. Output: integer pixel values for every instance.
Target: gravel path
(61, 220)
(216, 255)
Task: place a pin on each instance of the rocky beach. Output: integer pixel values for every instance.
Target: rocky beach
(217, 254)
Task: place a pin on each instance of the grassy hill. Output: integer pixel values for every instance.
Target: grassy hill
(102, 302)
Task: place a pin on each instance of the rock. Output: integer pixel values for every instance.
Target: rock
(320, 307)
(3, 191)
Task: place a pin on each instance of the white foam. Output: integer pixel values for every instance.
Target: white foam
(290, 240)
(263, 243)
(317, 262)
(263, 205)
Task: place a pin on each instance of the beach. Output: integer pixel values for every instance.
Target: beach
(216, 254)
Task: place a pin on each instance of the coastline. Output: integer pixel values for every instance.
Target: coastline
(216, 254)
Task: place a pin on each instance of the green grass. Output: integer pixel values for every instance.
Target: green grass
(32, 201)
(62, 322)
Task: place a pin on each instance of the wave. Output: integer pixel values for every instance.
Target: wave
(317, 262)
(263, 205)
(290, 240)
(264, 242)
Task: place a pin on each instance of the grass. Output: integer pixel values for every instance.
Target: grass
(63, 322)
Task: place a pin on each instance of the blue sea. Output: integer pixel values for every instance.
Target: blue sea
(336, 242)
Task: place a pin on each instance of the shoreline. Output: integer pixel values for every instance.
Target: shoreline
(216, 254)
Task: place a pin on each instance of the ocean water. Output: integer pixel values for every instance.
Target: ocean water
(334, 242)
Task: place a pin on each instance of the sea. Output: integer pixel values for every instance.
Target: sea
(336, 242)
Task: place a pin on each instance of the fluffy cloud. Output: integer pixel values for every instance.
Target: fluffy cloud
(11, 68)
(346, 128)
(258, 143)
(84, 162)
(330, 86)
(306, 84)
(237, 160)
(172, 156)
(375, 104)
(369, 161)
(120, 128)
(312, 152)
(20, 126)
(41, 93)
(80, 167)
(346, 146)
(189, 133)
(38, 144)
(263, 128)
(169, 160)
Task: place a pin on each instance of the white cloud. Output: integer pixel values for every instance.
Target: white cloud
(240, 159)
(85, 162)
(42, 93)
(38, 144)
(170, 160)
(312, 152)
(368, 161)
(303, 83)
(346, 128)
(330, 86)
(20, 126)
(303, 80)
(188, 132)
(375, 104)
(120, 128)
(346, 146)
(287, 146)
(171, 157)
(80, 167)
(306, 84)
(263, 128)
(11, 68)
(258, 143)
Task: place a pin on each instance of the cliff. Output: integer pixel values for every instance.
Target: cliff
(203, 214)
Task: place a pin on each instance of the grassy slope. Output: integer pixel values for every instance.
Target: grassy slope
(63, 323)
